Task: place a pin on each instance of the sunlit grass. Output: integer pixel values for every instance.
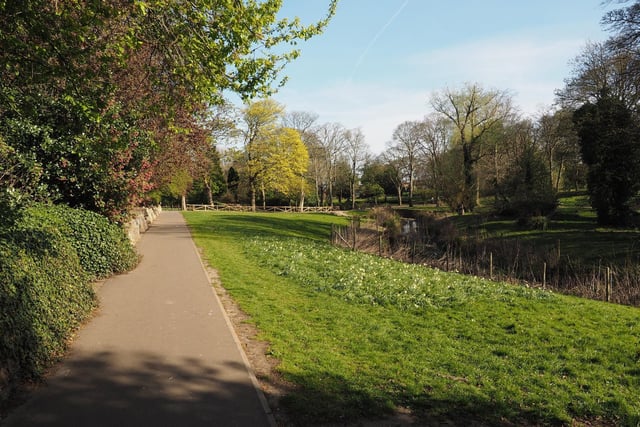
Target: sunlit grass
(362, 336)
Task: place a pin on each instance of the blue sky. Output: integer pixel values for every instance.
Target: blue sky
(379, 61)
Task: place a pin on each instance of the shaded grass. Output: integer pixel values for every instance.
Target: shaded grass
(573, 227)
(529, 358)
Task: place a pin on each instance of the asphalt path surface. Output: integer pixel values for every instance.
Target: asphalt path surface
(159, 352)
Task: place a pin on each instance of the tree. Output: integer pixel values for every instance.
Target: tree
(376, 177)
(625, 24)
(274, 156)
(356, 153)
(556, 136)
(233, 181)
(395, 172)
(408, 140)
(332, 137)
(525, 190)
(602, 68)
(436, 138)
(303, 122)
(473, 112)
(610, 146)
(261, 120)
(94, 91)
(285, 163)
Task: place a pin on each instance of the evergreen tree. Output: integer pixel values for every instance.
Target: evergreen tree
(610, 147)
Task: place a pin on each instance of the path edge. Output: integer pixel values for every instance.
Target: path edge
(254, 380)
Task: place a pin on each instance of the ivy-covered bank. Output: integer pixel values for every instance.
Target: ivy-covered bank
(49, 256)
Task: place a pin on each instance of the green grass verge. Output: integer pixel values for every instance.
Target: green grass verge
(362, 336)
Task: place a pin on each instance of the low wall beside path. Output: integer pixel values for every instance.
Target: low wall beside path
(142, 219)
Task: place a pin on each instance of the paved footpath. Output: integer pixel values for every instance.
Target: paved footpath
(160, 351)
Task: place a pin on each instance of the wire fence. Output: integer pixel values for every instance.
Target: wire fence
(511, 261)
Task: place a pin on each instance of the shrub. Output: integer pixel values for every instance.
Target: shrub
(44, 295)
(103, 248)
(48, 258)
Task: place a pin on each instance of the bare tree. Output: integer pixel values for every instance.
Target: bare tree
(356, 152)
(395, 171)
(436, 134)
(473, 112)
(302, 121)
(406, 145)
(602, 70)
(558, 140)
(332, 139)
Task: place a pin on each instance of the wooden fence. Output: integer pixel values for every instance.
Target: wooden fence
(245, 208)
(512, 261)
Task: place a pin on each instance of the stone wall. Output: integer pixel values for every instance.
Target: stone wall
(143, 218)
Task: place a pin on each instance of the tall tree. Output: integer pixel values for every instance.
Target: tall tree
(376, 174)
(436, 138)
(610, 146)
(408, 142)
(285, 162)
(395, 172)
(93, 90)
(356, 152)
(261, 121)
(274, 156)
(333, 139)
(303, 122)
(625, 24)
(473, 111)
(602, 68)
(556, 136)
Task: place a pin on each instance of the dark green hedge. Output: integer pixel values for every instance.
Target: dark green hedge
(102, 247)
(48, 259)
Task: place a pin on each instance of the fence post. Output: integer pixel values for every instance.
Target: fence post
(608, 285)
(491, 265)
(353, 227)
(413, 252)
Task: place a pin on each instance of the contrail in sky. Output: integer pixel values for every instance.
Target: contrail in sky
(375, 38)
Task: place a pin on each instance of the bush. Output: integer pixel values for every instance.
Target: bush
(102, 247)
(44, 295)
(48, 259)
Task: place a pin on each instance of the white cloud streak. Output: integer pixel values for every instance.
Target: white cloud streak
(375, 38)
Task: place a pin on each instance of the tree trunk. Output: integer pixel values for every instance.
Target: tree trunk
(183, 200)
(560, 167)
(330, 195)
(411, 188)
(352, 189)
(252, 191)
(207, 185)
(468, 196)
(264, 199)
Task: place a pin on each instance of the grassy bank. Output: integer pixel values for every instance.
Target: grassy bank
(363, 336)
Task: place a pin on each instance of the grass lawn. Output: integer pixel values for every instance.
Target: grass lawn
(573, 226)
(363, 336)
